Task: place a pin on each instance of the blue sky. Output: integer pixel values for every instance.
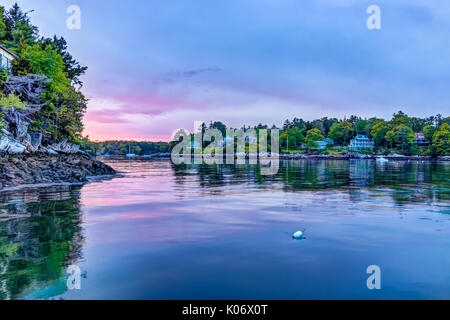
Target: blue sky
(155, 66)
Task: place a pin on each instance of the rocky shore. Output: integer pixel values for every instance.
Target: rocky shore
(44, 168)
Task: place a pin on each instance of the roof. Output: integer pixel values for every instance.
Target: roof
(9, 51)
(419, 134)
(361, 136)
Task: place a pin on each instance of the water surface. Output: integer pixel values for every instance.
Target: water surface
(203, 232)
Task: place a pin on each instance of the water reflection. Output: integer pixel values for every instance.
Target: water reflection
(409, 181)
(40, 235)
(158, 225)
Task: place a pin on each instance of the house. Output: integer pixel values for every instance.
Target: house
(321, 145)
(361, 142)
(229, 140)
(195, 144)
(6, 57)
(420, 139)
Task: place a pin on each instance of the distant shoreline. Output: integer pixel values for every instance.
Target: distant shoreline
(301, 156)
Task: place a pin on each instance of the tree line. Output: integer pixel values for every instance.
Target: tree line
(394, 135)
(124, 147)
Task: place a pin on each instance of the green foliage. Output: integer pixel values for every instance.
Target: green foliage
(361, 127)
(441, 140)
(64, 105)
(11, 101)
(71, 67)
(401, 136)
(294, 135)
(2, 23)
(314, 135)
(341, 132)
(43, 61)
(378, 132)
(400, 118)
(123, 147)
(429, 131)
(335, 132)
(2, 126)
(18, 32)
(219, 126)
(4, 74)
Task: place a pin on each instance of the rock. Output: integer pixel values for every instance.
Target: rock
(10, 145)
(65, 147)
(40, 168)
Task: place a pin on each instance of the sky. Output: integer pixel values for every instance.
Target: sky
(157, 66)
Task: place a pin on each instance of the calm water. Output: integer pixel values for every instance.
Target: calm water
(166, 232)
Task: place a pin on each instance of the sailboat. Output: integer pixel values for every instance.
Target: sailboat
(129, 154)
(382, 159)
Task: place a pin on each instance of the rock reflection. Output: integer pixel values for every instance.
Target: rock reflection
(40, 235)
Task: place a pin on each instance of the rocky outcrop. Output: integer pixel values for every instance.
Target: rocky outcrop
(44, 168)
(26, 157)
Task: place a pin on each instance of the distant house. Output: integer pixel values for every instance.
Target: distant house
(321, 145)
(195, 144)
(361, 142)
(420, 139)
(6, 57)
(228, 139)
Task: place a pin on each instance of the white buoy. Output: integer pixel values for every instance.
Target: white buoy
(298, 235)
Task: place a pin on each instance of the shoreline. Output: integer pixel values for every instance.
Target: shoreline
(358, 156)
(40, 169)
(302, 156)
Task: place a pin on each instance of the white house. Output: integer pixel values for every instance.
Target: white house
(361, 142)
(6, 57)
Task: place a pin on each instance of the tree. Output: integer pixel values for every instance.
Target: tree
(400, 118)
(360, 126)
(318, 124)
(18, 32)
(401, 136)
(2, 24)
(299, 123)
(347, 130)
(219, 126)
(378, 132)
(404, 137)
(429, 131)
(71, 67)
(335, 133)
(328, 123)
(294, 135)
(390, 138)
(417, 124)
(441, 140)
(314, 135)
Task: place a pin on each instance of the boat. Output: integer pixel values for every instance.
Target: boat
(382, 159)
(129, 154)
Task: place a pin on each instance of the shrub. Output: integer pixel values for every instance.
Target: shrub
(11, 101)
